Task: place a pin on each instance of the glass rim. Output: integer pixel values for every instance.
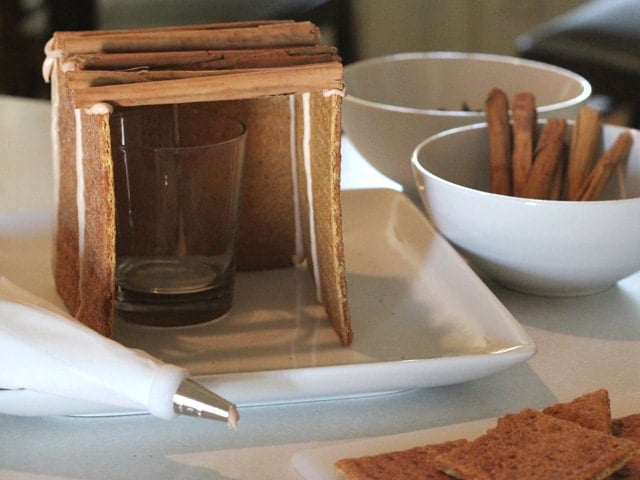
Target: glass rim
(233, 138)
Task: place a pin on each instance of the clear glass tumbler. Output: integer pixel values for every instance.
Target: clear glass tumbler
(177, 171)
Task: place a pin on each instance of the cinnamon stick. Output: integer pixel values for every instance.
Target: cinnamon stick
(224, 65)
(202, 26)
(548, 159)
(230, 86)
(584, 142)
(78, 80)
(603, 169)
(205, 59)
(558, 181)
(524, 120)
(153, 40)
(499, 133)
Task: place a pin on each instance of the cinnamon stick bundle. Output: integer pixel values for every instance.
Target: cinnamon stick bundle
(585, 140)
(499, 132)
(603, 169)
(524, 119)
(127, 68)
(549, 170)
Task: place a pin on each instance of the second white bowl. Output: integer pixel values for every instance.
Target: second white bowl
(537, 246)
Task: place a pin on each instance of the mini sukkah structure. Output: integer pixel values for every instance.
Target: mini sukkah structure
(274, 76)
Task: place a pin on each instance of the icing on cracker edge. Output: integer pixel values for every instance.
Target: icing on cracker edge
(306, 152)
(80, 202)
(50, 56)
(340, 92)
(55, 145)
(100, 108)
(298, 256)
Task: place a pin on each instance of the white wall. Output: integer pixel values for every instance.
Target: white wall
(391, 26)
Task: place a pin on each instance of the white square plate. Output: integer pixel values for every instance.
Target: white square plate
(421, 317)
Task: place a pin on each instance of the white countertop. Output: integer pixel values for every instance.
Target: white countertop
(583, 344)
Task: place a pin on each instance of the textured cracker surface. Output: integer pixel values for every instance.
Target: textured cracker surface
(97, 267)
(66, 262)
(412, 464)
(591, 410)
(628, 427)
(532, 445)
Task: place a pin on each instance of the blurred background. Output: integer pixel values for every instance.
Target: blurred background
(359, 28)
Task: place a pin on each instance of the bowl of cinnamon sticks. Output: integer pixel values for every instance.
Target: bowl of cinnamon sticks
(548, 207)
(395, 101)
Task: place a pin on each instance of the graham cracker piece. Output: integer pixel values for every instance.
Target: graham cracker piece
(530, 445)
(267, 184)
(97, 264)
(591, 410)
(411, 464)
(65, 252)
(628, 427)
(325, 139)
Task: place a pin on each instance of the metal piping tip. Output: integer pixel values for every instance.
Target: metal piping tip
(197, 401)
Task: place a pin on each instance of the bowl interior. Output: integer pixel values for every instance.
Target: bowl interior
(461, 157)
(454, 82)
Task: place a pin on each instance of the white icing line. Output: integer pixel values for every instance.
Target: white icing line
(47, 67)
(98, 108)
(298, 256)
(55, 147)
(333, 91)
(80, 187)
(306, 151)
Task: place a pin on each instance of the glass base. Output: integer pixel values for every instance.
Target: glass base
(172, 291)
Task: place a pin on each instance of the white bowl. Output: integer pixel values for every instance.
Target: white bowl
(537, 246)
(394, 102)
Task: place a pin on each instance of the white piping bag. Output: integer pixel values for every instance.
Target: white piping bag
(46, 351)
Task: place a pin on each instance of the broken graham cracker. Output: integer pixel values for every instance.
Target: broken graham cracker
(412, 464)
(628, 427)
(533, 445)
(591, 410)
